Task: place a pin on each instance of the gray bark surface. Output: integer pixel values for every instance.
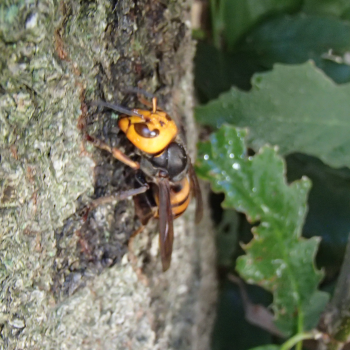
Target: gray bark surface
(67, 283)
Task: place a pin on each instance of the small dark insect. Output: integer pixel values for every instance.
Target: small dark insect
(164, 172)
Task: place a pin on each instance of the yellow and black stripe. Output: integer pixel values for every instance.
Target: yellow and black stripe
(180, 196)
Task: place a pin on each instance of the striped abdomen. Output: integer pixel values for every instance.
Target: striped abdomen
(180, 196)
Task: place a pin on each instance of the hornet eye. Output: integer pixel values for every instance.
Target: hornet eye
(142, 130)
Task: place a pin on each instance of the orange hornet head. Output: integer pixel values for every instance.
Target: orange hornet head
(150, 133)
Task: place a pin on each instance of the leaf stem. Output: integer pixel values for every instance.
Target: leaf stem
(300, 326)
(298, 338)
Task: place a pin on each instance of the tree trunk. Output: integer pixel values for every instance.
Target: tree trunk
(65, 276)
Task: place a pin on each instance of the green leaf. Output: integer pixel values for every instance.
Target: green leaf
(296, 39)
(216, 71)
(285, 39)
(336, 8)
(277, 259)
(295, 107)
(329, 208)
(239, 16)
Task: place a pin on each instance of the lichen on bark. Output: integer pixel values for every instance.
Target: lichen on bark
(54, 57)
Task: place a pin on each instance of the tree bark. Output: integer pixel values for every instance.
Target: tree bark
(66, 282)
